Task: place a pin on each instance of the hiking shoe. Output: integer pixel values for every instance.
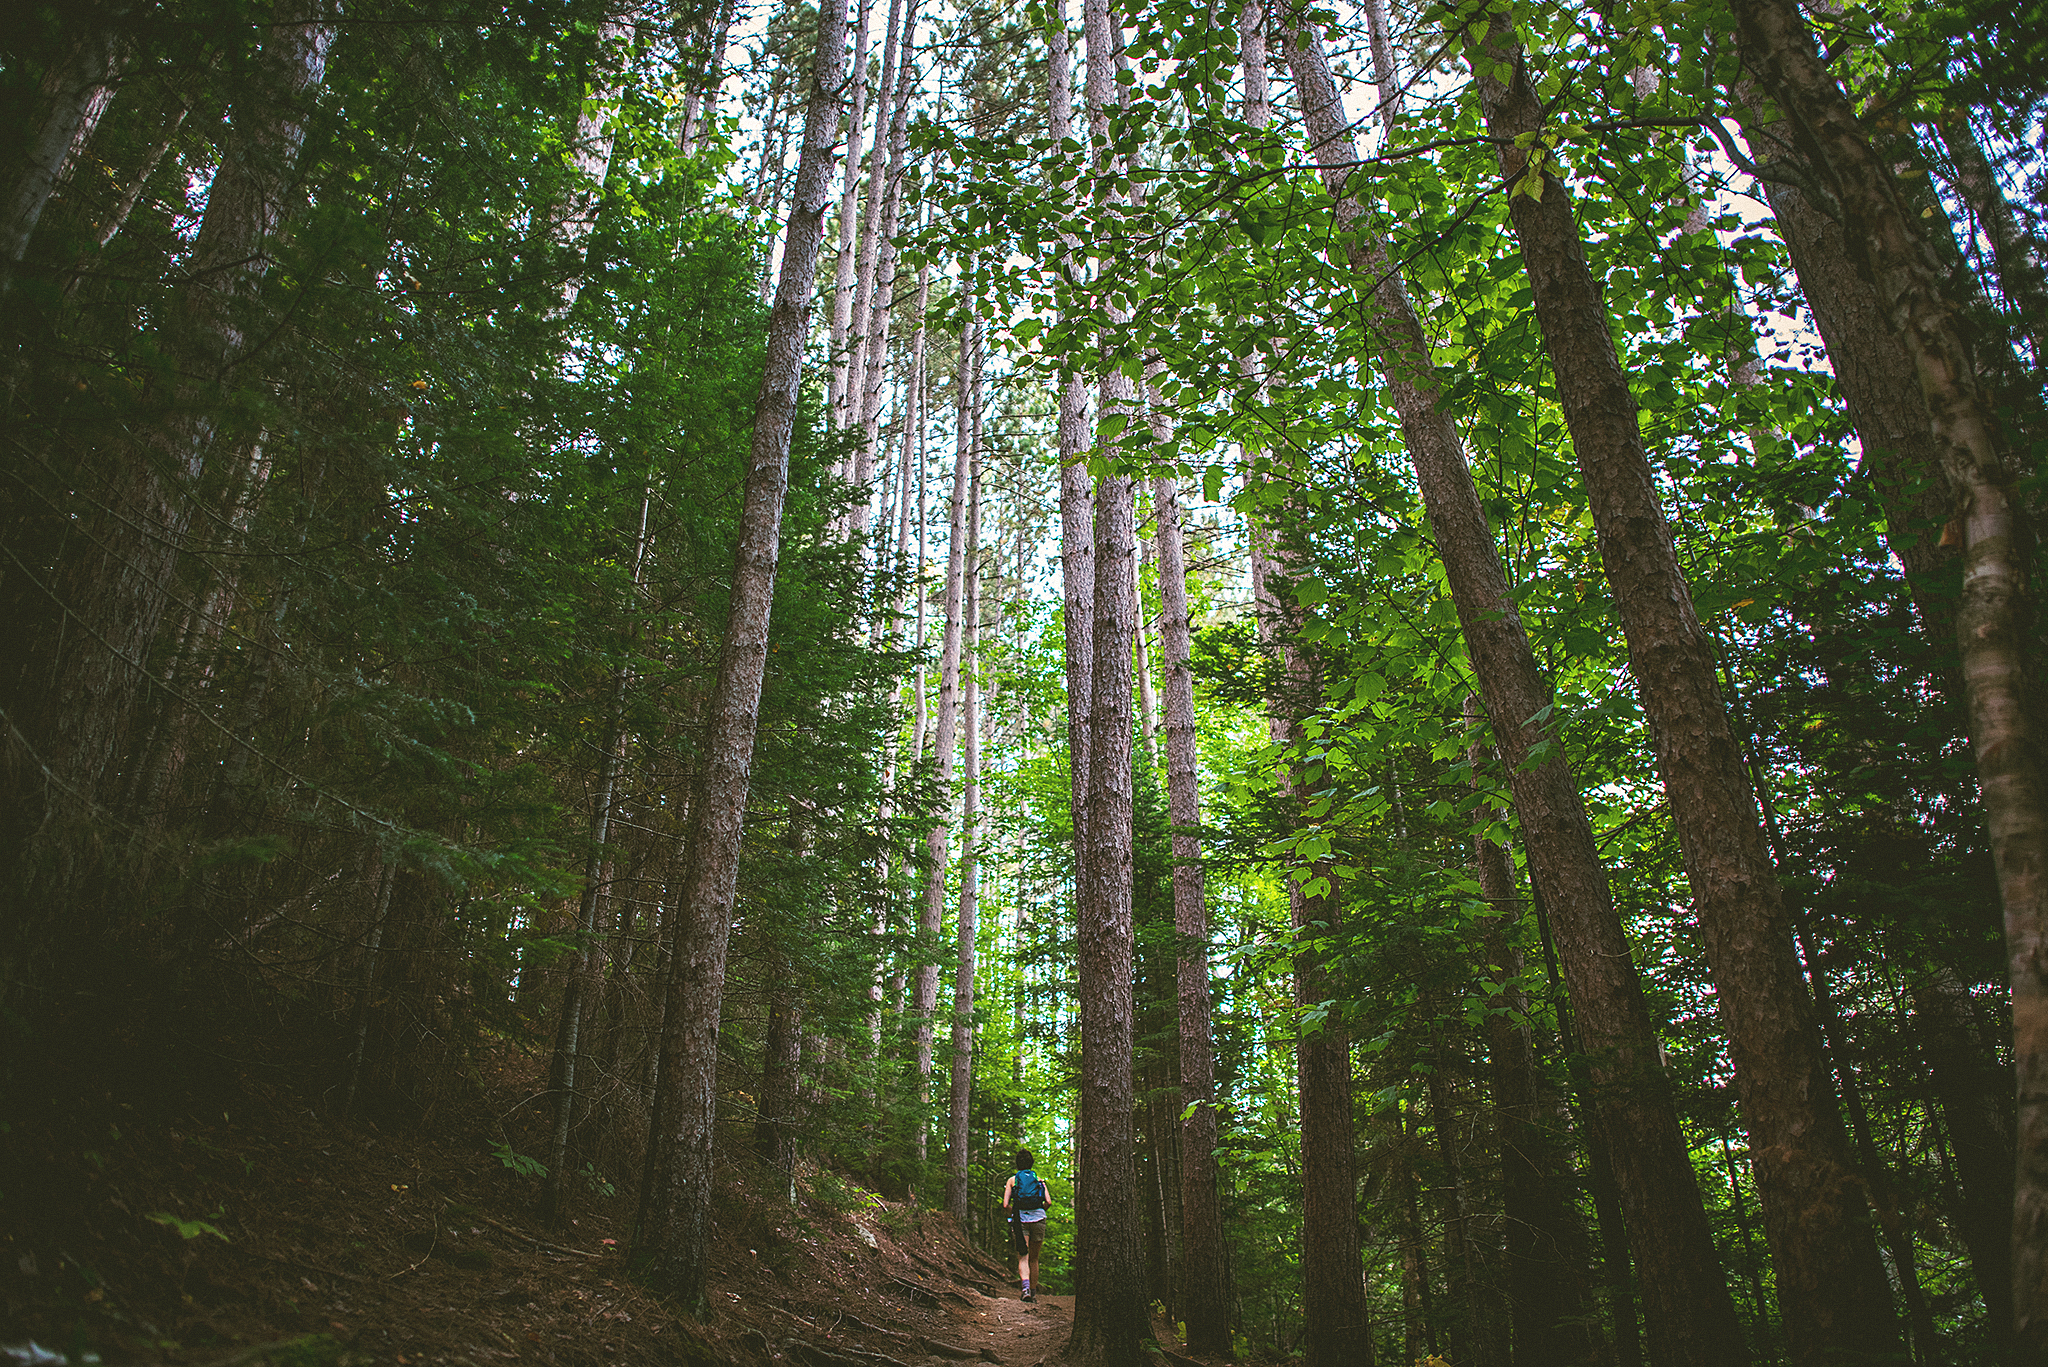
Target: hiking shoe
(1029, 1298)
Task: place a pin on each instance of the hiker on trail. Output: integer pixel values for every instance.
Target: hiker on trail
(1026, 1198)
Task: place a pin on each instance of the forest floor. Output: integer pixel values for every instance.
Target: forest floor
(233, 1223)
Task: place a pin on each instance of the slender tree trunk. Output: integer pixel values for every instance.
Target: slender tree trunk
(1077, 539)
(578, 986)
(781, 1055)
(1461, 1266)
(1204, 1283)
(73, 99)
(1148, 703)
(1979, 1133)
(700, 103)
(882, 184)
(675, 1216)
(837, 405)
(946, 732)
(112, 593)
(1549, 1301)
(373, 951)
(2015, 251)
(958, 1155)
(1110, 1317)
(1691, 1318)
(1995, 613)
(1418, 1308)
(1830, 1282)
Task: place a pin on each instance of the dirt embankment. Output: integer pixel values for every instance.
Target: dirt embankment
(245, 1227)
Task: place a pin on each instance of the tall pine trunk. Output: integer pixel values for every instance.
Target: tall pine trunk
(1110, 1316)
(1204, 1279)
(958, 1155)
(1077, 537)
(1994, 614)
(1831, 1286)
(1691, 1318)
(675, 1206)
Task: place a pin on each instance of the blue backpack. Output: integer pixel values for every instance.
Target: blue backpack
(1030, 1193)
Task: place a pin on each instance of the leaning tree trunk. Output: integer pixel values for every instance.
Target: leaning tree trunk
(74, 97)
(1995, 614)
(1831, 1285)
(1691, 1318)
(675, 1207)
(1878, 385)
(80, 721)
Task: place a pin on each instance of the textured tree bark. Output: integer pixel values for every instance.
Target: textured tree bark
(1691, 1318)
(1110, 1319)
(1549, 1299)
(958, 1156)
(1836, 1305)
(1148, 698)
(675, 1207)
(838, 402)
(1878, 383)
(74, 97)
(1077, 537)
(112, 593)
(781, 1054)
(884, 177)
(1995, 610)
(946, 728)
(1110, 1316)
(1204, 1277)
(1336, 1323)
(1979, 1135)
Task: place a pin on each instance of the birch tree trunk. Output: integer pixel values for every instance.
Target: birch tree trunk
(1692, 1320)
(675, 1209)
(590, 156)
(1831, 1285)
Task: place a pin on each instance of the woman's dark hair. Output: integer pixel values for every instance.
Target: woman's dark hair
(1024, 1160)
